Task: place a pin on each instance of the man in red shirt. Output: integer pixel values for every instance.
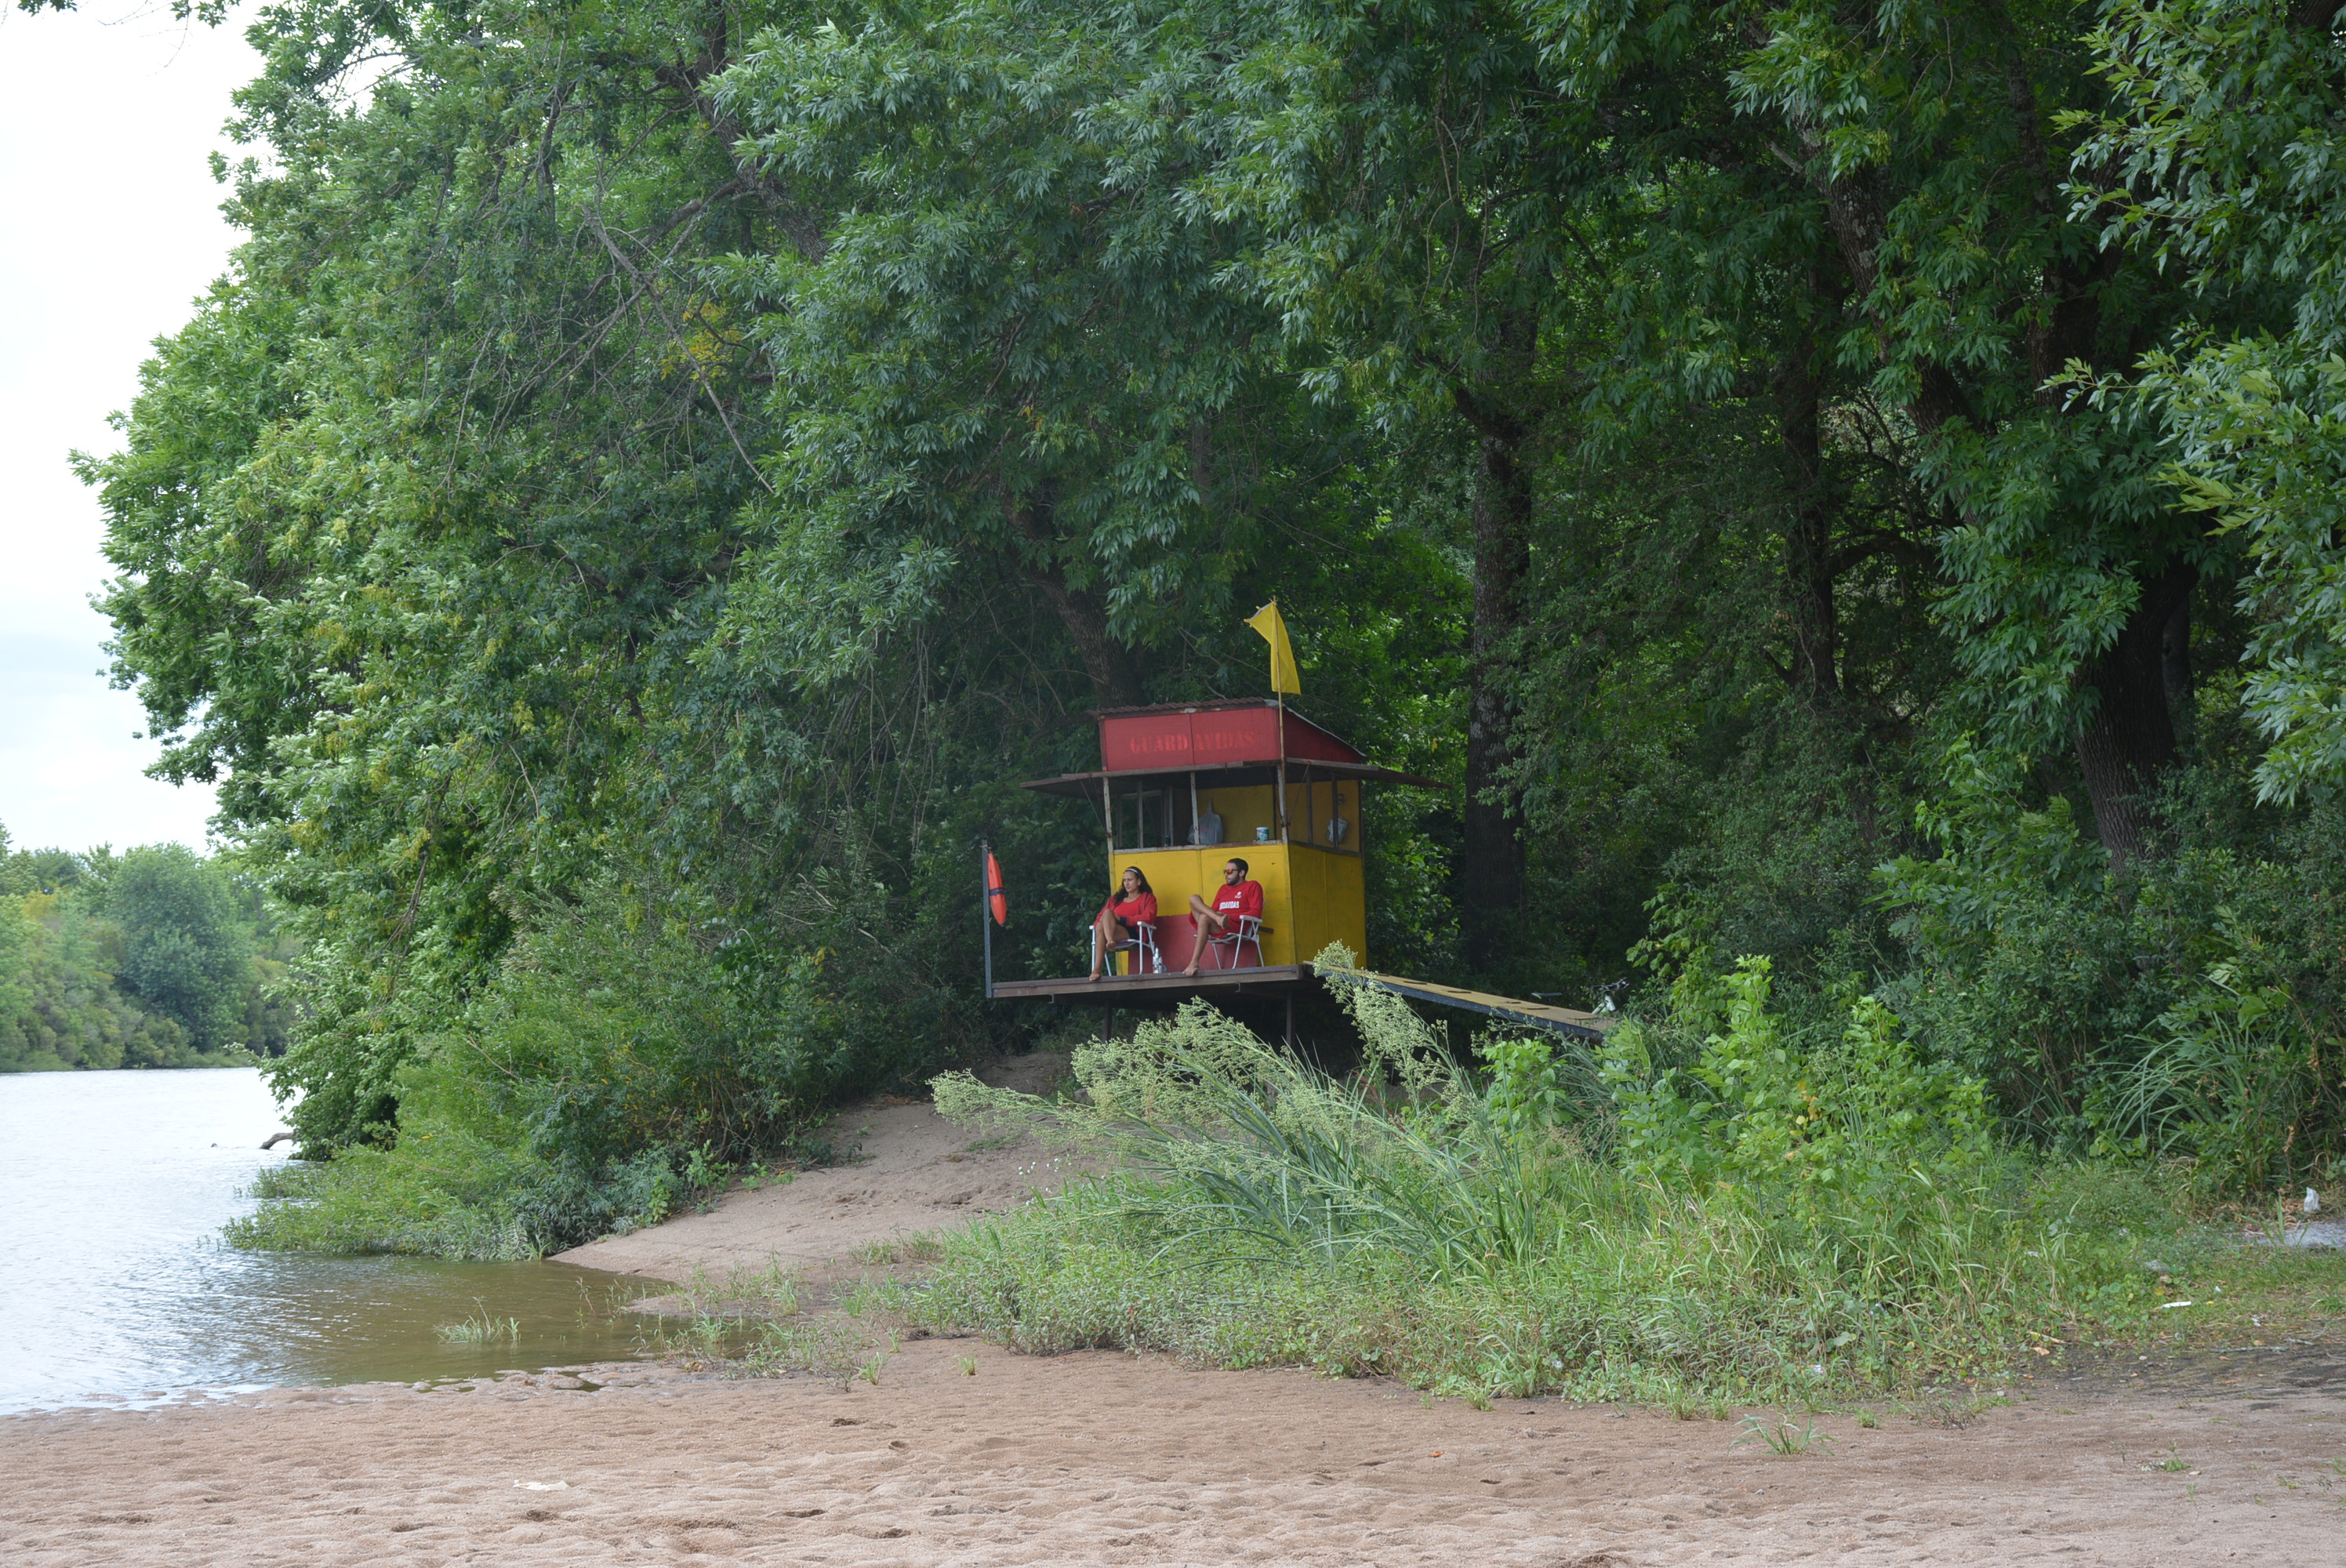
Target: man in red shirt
(1236, 897)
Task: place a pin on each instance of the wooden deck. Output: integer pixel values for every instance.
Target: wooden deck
(1139, 990)
(1287, 979)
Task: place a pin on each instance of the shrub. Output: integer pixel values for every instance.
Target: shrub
(1753, 1112)
(2235, 1082)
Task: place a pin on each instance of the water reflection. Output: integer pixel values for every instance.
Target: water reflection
(117, 1186)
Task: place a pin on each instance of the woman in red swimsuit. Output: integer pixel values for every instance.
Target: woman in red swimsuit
(1122, 916)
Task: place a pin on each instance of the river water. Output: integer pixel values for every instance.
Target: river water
(118, 1289)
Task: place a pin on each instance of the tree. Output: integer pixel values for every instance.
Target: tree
(1402, 168)
(62, 1003)
(442, 484)
(1012, 353)
(185, 951)
(1917, 157)
(687, 461)
(2217, 158)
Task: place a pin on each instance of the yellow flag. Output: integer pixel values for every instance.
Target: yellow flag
(1282, 653)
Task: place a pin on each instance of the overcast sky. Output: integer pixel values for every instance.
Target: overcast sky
(109, 228)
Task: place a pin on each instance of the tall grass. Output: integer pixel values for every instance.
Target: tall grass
(2232, 1080)
(1770, 1224)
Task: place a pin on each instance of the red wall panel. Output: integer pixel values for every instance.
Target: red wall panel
(1210, 737)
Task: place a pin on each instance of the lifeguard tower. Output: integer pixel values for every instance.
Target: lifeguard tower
(1182, 789)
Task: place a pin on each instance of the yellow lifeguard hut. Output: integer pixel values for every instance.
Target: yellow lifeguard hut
(1182, 789)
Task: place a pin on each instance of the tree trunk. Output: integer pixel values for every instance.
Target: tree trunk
(1114, 675)
(2314, 15)
(1808, 538)
(1491, 866)
(1115, 672)
(1491, 863)
(2131, 735)
(2175, 656)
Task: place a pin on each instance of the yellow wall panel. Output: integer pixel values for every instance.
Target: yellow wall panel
(1243, 809)
(1310, 897)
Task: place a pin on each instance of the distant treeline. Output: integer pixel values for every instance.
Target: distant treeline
(152, 958)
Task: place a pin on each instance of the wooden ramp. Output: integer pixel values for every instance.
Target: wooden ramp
(1570, 1021)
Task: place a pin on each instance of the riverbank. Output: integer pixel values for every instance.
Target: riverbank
(962, 1453)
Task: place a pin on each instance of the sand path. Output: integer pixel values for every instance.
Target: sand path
(1101, 1457)
(914, 1172)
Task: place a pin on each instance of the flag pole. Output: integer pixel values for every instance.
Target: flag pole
(986, 912)
(1280, 691)
(1283, 749)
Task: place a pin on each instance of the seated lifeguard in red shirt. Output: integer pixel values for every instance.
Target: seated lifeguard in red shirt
(1236, 897)
(1120, 919)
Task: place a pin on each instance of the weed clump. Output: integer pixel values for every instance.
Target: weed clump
(480, 1329)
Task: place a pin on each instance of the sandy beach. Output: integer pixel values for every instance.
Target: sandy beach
(1109, 1458)
(962, 1453)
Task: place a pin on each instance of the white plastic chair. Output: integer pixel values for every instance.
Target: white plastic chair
(1146, 959)
(1245, 929)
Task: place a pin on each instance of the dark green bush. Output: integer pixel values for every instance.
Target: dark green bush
(2190, 1008)
(615, 1067)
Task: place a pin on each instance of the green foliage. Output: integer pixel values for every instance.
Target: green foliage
(2020, 940)
(1527, 1093)
(2263, 451)
(608, 1032)
(1778, 1224)
(2184, 1012)
(725, 451)
(185, 949)
(2216, 153)
(1032, 370)
(1260, 1150)
(2237, 1083)
(62, 1010)
(1832, 1128)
